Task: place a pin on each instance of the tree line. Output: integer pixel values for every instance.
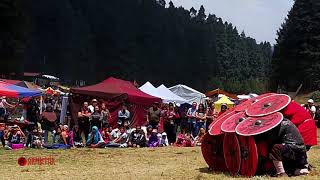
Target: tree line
(142, 40)
(296, 58)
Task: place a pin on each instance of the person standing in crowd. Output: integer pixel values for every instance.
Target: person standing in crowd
(48, 122)
(311, 108)
(123, 116)
(210, 114)
(192, 117)
(177, 121)
(201, 117)
(169, 124)
(106, 116)
(93, 104)
(96, 118)
(184, 120)
(33, 111)
(83, 120)
(3, 107)
(224, 108)
(154, 114)
(309, 105)
(137, 138)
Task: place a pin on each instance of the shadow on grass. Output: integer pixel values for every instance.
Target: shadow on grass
(206, 170)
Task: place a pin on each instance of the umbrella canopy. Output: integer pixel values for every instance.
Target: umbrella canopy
(10, 90)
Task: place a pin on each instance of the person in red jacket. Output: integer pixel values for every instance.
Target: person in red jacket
(304, 122)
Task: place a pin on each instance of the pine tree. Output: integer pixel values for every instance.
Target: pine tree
(297, 52)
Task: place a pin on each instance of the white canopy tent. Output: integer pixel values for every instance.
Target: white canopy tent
(149, 89)
(189, 94)
(168, 96)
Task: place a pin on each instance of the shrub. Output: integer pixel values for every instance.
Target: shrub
(316, 96)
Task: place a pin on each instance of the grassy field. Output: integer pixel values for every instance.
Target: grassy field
(160, 163)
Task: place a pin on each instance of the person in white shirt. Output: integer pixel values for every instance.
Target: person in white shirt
(311, 108)
(3, 106)
(93, 104)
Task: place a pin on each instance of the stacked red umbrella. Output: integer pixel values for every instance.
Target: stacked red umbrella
(231, 146)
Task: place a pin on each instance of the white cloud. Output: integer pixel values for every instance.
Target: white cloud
(260, 19)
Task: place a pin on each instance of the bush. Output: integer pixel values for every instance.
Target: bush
(316, 96)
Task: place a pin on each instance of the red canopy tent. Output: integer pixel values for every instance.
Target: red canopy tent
(116, 92)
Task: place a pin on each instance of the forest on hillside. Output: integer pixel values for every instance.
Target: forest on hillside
(296, 58)
(142, 40)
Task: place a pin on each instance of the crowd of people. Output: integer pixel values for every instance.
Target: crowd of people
(167, 125)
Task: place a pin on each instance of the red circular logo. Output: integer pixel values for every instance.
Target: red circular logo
(22, 161)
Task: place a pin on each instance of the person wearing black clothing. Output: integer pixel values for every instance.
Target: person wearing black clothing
(168, 124)
(96, 118)
(137, 138)
(33, 111)
(83, 120)
(288, 151)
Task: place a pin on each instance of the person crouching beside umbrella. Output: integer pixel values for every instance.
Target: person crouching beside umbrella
(288, 152)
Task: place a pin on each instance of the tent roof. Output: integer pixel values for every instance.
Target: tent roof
(113, 88)
(169, 96)
(224, 100)
(220, 91)
(11, 90)
(189, 94)
(149, 89)
(11, 81)
(24, 84)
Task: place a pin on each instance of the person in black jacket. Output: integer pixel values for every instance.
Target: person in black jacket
(137, 138)
(288, 153)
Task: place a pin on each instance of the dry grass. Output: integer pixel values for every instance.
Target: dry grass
(160, 163)
(303, 98)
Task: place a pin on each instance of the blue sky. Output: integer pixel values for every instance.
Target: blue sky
(260, 19)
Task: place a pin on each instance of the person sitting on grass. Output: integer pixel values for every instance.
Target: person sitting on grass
(185, 140)
(95, 139)
(198, 139)
(14, 136)
(153, 140)
(65, 135)
(61, 139)
(121, 140)
(115, 133)
(2, 133)
(34, 140)
(137, 138)
(164, 140)
(149, 132)
(106, 134)
(75, 137)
